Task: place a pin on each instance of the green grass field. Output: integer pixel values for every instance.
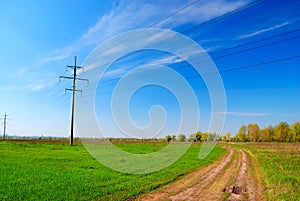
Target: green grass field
(56, 171)
(280, 168)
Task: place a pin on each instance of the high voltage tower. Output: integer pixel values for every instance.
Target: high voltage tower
(4, 125)
(73, 89)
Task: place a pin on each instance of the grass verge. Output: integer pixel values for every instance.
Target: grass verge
(279, 165)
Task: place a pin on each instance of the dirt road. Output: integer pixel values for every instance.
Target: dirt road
(234, 177)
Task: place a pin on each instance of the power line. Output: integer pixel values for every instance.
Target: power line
(224, 16)
(257, 64)
(223, 71)
(39, 98)
(174, 13)
(73, 89)
(257, 47)
(258, 40)
(44, 113)
(203, 24)
(210, 21)
(48, 107)
(233, 53)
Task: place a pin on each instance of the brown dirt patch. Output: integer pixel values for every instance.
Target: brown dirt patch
(230, 178)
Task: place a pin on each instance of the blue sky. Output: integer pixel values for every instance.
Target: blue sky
(38, 39)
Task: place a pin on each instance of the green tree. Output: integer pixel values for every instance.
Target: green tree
(173, 138)
(295, 132)
(265, 135)
(192, 138)
(209, 136)
(213, 137)
(253, 132)
(242, 136)
(204, 136)
(271, 133)
(198, 135)
(195, 137)
(181, 138)
(281, 132)
(168, 138)
(226, 137)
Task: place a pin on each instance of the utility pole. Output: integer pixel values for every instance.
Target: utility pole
(4, 125)
(73, 89)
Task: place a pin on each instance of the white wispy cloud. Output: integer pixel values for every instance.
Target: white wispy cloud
(114, 73)
(20, 72)
(245, 114)
(201, 12)
(129, 15)
(166, 60)
(159, 61)
(55, 57)
(34, 87)
(257, 32)
(8, 87)
(288, 115)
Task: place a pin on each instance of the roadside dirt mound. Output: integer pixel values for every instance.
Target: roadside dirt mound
(230, 179)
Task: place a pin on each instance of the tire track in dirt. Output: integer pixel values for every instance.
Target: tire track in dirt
(230, 179)
(192, 193)
(239, 188)
(215, 191)
(188, 181)
(255, 189)
(247, 185)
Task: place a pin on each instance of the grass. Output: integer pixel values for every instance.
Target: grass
(280, 168)
(47, 171)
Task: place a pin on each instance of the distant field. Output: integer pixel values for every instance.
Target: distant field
(57, 171)
(280, 168)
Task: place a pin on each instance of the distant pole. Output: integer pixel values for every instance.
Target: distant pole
(4, 125)
(73, 101)
(74, 78)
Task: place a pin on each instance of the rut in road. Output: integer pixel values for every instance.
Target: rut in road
(193, 192)
(229, 178)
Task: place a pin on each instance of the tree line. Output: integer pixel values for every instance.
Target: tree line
(282, 132)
